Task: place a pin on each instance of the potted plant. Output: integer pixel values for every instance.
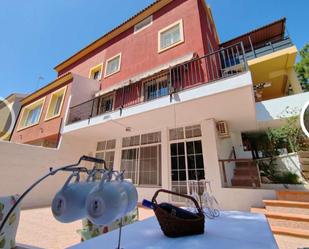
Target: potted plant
(295, 139)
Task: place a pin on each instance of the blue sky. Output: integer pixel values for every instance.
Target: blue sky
(37, 35)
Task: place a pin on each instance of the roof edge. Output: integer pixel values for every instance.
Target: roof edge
(57, 82)
(141, 15)
(255, 30)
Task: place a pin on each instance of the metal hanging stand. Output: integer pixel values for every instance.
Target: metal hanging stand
(120, 234)
(75, 168)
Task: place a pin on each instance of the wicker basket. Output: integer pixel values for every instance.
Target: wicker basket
(173, 226)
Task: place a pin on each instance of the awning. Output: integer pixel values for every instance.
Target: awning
(147, 74)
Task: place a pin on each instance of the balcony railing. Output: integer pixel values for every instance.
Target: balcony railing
(214, 66)
(267, 47)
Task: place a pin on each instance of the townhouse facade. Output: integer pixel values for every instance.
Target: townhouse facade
(160, 97)
(9, 109)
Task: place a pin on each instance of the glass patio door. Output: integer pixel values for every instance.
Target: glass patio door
(186, 164)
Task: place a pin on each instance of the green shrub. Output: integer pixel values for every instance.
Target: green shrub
(286, 178)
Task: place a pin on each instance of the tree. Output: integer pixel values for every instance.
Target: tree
(302, 67)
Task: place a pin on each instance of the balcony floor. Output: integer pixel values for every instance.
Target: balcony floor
(230, 99)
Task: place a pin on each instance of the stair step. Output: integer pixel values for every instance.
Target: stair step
(290, 231)
(298, 221)
(245, 171)
(293, 195)
(287, 220)
(282, 203)
(245, 164)
(303, 154)
(244, 181)
(258, 210)
(304, 160)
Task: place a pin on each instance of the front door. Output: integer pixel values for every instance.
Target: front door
(186, 164)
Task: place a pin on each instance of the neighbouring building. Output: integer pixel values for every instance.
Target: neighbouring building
(162, 98)
(9, 109)
(42, 112)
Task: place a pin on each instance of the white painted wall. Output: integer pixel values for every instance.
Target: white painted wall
(229, 198)
(21, 165)
(289, 162)
(230, 89)
(272, 109)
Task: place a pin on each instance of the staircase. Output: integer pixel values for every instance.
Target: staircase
(245, 174)
(288, 217)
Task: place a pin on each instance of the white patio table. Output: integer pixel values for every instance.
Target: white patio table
(232, 230)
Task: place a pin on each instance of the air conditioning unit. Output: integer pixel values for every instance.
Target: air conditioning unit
(223, 130)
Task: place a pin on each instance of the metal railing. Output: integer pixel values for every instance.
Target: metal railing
(214, 66)
(267, 47)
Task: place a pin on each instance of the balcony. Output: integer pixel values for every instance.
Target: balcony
(268, 47)
(221, 64)
(264, 40)
(271, 56)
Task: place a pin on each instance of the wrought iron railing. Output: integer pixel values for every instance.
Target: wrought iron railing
(267, 47)
(214, 66)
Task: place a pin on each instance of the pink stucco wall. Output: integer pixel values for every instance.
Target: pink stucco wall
(47, 130)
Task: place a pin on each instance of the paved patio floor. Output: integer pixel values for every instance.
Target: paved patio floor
(38, 228)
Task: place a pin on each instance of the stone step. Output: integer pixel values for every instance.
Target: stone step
(245, 164)
(258, 210)
(303, 154)
(304, 160)
(244, 181)
(301, 233)
(245, 171)
(287, 220)
(293, 207)
(293, 195)
(295, 232)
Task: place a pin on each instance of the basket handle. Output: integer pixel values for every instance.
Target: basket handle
(154, 198)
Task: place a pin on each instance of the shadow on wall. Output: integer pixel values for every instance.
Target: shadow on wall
(262, 113)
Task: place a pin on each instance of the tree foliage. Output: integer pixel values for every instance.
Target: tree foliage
(302, 67)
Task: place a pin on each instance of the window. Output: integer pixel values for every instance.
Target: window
(171, 36)
(113, 65)
(150, 165)
(186, 158)
(143, 24)
(129, 163)
(130, 141)
(151, 138)
(96, 72)
(193, 131)
(185, 132)
(31, 114)
(141, 158)
(55, 104)
(106, 151)
(156, 87)
(106, 104)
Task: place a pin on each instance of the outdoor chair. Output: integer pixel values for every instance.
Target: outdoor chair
(90, 230)
(7, 236)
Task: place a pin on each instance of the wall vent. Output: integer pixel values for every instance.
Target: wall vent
(223, 130)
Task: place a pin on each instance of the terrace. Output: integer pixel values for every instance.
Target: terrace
(271, 56)
(215, 66)
(262, 41)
